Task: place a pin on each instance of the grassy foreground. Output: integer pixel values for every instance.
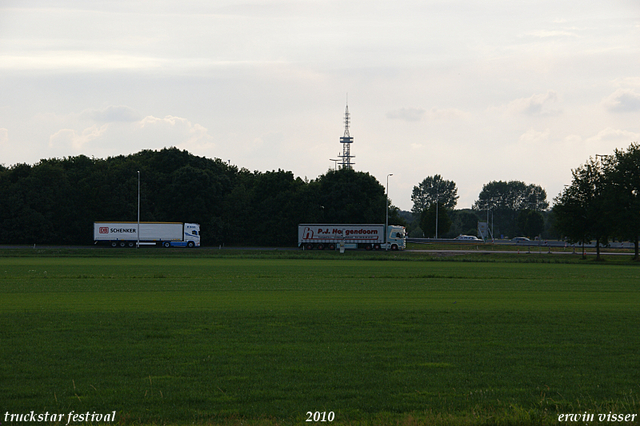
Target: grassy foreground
(232, 341)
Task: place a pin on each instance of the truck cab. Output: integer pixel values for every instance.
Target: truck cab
(192, 235)
(396, 237)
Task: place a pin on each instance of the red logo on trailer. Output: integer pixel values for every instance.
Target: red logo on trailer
(308, 233)
(104, 230)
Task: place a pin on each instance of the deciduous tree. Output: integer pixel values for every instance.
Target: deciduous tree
(581, 210)
(428, 221)
(622, 170)
(348, 196)
(530, 223)
(432, 189)
(506, 199)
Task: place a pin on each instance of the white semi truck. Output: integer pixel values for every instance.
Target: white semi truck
(164, 234)
(331, 236)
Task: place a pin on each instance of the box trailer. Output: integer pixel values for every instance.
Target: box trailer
(163, 234)
(322, 236)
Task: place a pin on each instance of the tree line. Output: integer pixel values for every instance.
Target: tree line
(56, 201)
(602, 203)
(511, 208)
(603, 200)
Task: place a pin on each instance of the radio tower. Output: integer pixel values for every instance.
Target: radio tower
(346, 142)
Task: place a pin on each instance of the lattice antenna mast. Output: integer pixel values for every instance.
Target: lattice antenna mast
(346, 142)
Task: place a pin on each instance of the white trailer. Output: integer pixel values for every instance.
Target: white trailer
(331, 236)
(164, 234)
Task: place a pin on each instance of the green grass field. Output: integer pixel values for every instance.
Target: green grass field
(260, 339)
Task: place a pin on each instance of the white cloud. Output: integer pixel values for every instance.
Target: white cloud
(122, 135)
(613, 138)
(174, 131)
(417, 114)
(537, 105)
(112, 113)
(80, 60)
(552, 34)
(626, 82)
(622, 100)
(575, 149)
(406, 114)
(66, 138)
(445, 114)
(534, 137)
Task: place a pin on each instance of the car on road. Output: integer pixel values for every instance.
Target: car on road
(520, 240)
(467, 238)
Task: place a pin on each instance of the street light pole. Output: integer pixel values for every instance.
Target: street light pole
(386, 221)
(437, 196)
(138, 243)
(489, 208)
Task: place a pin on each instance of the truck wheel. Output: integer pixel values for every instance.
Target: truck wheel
(122, 244)
(394, 247)
(191, 244)
(309, 247)
(368, 247)
(377, 246)
(320, 246)
(332, 246)
(114, 244)
(131, 244)
(166, 244)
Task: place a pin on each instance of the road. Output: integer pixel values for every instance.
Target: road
(523, 252)
(527, 248)
(525, 244)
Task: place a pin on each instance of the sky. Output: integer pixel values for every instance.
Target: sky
(473, 90)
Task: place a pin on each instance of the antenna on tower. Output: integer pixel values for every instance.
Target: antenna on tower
(346, 140)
